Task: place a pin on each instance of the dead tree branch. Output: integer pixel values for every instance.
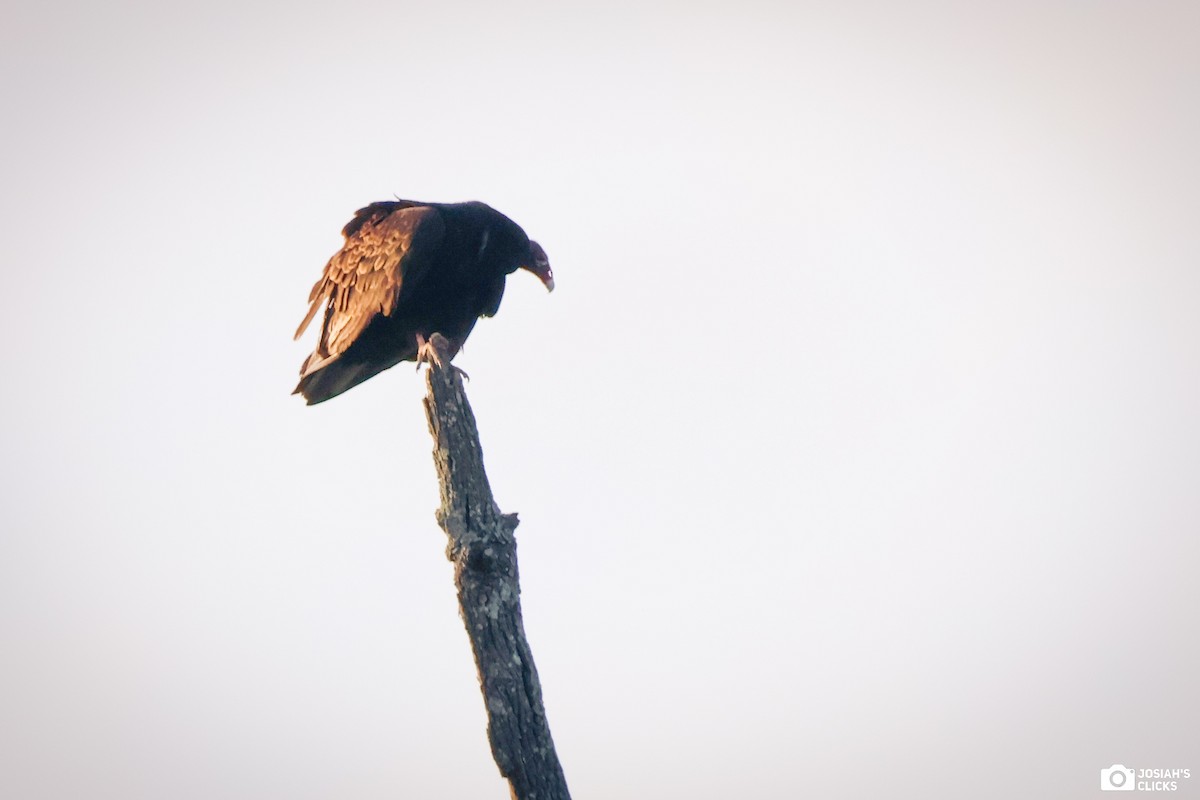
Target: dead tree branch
(484, 552)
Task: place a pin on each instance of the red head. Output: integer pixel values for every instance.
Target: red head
(540, 265)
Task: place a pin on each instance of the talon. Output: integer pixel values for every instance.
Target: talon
(428, 350)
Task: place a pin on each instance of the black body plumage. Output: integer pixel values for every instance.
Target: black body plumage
(409, 270)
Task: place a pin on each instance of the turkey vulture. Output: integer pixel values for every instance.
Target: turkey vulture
(409, 270)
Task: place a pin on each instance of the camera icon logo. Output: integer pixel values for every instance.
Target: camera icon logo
(1117, 779)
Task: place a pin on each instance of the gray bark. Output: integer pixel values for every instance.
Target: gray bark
(484, 552)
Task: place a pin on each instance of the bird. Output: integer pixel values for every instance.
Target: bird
(409, 270)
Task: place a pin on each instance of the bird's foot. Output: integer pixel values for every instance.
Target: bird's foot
(436, 350)
(427, 351)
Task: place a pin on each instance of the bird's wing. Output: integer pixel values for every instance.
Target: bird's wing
(363, 279)
(375, 210)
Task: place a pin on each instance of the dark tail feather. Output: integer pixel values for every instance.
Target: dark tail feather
(331, 380)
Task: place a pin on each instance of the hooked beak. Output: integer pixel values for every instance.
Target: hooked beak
(541, 266)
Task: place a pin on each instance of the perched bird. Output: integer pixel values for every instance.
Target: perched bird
(409, 270)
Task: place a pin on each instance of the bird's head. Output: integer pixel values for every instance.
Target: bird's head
(539, 265)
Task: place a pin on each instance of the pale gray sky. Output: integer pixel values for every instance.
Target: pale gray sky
(857, 452)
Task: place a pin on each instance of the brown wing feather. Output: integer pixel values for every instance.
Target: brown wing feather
(363, 278)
